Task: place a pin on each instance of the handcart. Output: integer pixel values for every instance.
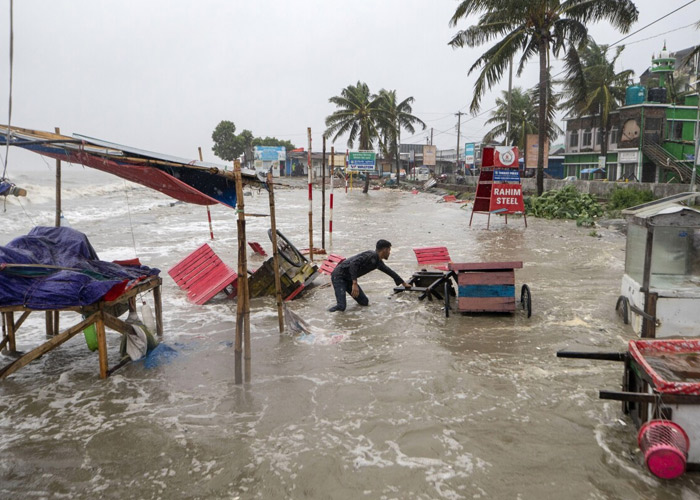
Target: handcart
(661, 394)
(482, 287)
(660, 292)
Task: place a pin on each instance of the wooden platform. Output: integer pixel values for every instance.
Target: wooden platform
(95, 314)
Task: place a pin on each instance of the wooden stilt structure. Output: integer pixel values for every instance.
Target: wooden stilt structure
(275, 252)
(242, 344)
(98, 314)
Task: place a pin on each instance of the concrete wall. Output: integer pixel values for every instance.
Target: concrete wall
(599, 189)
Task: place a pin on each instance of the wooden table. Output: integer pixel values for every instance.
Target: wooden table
(96, 314)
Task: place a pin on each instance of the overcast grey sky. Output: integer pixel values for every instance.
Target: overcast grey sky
(160, 75)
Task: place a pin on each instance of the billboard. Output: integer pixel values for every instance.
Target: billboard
(270, 153)
(361, 161)
(469, 154)
(429, 155)
(532, 147)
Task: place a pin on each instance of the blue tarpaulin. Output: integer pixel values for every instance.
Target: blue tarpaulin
(592, 170)
(73, 276)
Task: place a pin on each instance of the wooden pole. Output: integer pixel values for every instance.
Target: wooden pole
(211, 229)
(330, 222)
(323, 196)
(54, 314)
(58, 187)
(275, 252)
(311, 205)
(243, 309)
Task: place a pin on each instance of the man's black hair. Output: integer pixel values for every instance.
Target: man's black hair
(382, 244)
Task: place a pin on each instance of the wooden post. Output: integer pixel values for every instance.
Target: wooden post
(158, 303)
(54, 314)
(211, 229)
(243, 308)
(58, 187)
(330, 215)
(275, 252)
(101, 342)
(311, 205)
(646, 281)
(10, 324)
(323, 196)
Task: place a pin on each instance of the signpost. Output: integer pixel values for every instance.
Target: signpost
(469, 154)
(362, 161)
(499, 190)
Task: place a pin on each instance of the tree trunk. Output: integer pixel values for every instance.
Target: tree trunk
(398, 158)
(542, 132)
(604, 149)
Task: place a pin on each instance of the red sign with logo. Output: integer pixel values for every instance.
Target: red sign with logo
(505, 157)
(506, 198)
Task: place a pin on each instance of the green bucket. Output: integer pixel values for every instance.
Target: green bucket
(91, 337)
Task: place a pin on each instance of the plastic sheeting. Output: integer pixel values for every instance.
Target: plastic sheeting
(73, 276)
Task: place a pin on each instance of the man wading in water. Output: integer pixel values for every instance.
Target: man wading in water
(344, 276)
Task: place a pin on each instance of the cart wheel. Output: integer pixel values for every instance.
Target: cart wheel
(447, 298)
(288, 251)
(623, 309)
(526, 300)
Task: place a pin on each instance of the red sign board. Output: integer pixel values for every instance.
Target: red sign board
(506, 198)
(505, 157)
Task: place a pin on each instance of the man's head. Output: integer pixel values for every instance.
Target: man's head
(383, 249)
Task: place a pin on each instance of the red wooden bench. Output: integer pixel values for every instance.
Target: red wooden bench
(430, 256)
(329, 264)
(202, 274)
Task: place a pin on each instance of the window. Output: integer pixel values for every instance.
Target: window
(587, 138)
(573, 139)
(675, 131)
(614, 135)
(599, 136)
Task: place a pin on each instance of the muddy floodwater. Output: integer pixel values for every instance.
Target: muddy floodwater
(391, 401)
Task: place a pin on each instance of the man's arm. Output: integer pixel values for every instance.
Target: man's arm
(387, 270)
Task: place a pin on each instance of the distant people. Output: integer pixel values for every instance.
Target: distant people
(344, 276)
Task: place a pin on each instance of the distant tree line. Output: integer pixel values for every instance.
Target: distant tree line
(229, 146)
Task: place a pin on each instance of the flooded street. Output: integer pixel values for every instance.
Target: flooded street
(408, 404)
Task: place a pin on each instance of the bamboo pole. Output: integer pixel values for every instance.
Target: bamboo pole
(275, 252)
(58, 187)
(323, 196)
(311, 206)
(330, 222)
(211, 229)
(243, 310)
(54, 314)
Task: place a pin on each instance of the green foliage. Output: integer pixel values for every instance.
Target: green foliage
(621, 198)
(566, 203)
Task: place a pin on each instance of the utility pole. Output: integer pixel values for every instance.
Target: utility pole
(459, 124)
(431, 136)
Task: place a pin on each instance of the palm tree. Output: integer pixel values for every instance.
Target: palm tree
(523, 119)
(358, 115)
(396, 116)
(593, 87)
(541, 27)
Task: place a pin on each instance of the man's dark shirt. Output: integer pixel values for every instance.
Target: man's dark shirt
(362, 263)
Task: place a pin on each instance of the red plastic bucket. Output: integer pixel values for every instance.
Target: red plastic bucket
(665, 446)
